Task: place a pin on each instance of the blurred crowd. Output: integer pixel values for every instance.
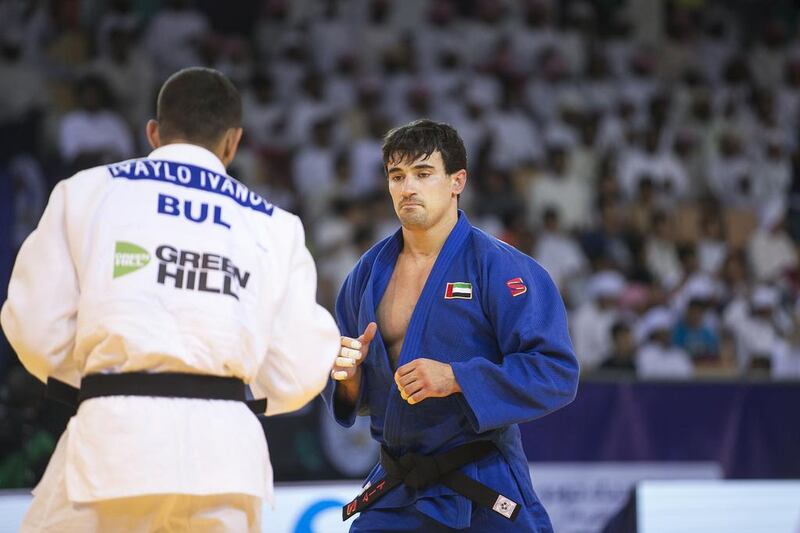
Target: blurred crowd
(645, 153)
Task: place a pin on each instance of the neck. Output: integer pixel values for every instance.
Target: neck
(428, 242)
(217, 151)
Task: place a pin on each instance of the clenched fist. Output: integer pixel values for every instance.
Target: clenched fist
(425, 378)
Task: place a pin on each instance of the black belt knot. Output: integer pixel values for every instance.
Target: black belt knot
(415, 470)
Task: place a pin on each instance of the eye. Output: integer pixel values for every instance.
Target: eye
(424, 174)
(396, 177)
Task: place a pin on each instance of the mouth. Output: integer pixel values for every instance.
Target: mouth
(410, 204)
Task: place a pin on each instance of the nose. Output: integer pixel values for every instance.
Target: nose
(409, 187)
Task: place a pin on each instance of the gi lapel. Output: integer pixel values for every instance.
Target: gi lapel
(376, 286)
(432, 289)
(413, 339)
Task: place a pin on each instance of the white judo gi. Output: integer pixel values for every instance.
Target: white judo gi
(165, 264)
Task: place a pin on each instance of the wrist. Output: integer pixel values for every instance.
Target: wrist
(348, 389)
(454, 386)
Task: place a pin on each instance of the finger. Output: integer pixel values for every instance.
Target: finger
(408, 379)
(339, 375)
(369, 333)
(406, 368)
(345, 362)
(351, 343)
(397, 377)
(417, 397)
(350, 353)
(411, 389)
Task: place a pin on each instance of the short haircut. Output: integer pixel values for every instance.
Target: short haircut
(419, 139)
(619, 328)
(199, 105)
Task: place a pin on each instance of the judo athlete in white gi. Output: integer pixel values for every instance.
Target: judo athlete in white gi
(452, 338)
(165, 276)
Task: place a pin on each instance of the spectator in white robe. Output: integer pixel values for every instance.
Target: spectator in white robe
(657, 357)
(570, 195)
(786, 356)
(771, 251)
(558, 252)
(94, 133)
(591, 323)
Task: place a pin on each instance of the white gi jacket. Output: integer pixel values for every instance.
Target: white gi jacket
(165, 264)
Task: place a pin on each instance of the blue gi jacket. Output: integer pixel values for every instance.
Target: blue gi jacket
(508, 345)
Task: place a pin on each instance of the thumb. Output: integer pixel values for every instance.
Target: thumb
(369, 333)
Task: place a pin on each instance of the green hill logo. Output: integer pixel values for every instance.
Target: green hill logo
(128, 258)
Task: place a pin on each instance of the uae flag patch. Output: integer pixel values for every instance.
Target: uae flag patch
(459, 290)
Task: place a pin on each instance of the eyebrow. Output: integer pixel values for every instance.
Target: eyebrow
(417, 166)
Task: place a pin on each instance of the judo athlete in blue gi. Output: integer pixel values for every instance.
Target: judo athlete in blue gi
(452, 338)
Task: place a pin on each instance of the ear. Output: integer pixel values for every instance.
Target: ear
(459, 181)
(153, 137)
(230, 145)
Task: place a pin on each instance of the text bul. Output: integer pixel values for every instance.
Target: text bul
(170, 205)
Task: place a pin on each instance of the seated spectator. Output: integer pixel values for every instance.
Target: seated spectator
(23, 97)
(555, 187)
(786, 356)
(657, 357)
(771, 251)
(643, 207)
(711, 248)
(663, 167)
(175, 37)
(558, 252)
(661, 253)
(731, 173)
(622, 358)
(756, 323)
(607, 239)
(129, 73)
(591, 323)
(94, 133)
(694, 335)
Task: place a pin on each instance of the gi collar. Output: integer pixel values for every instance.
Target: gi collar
(189, 153)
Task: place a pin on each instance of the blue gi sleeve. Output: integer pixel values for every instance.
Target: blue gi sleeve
(536, 371)
(347, 307)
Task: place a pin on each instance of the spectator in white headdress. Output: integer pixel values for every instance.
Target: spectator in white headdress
(758, 327)
(593, 320)
(657, 357)
(771, 251)
(786, 355)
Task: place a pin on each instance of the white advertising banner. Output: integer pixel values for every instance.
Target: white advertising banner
(743, 506)
(581, 497)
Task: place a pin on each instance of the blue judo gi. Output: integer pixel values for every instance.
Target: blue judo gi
(503, 329)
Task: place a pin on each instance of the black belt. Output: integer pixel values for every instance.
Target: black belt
(420, 471)
(167, 385)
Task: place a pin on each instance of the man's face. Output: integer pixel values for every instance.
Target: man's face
(422, 192)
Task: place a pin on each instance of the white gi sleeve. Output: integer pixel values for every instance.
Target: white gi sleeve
(39, 316)
(304, 341)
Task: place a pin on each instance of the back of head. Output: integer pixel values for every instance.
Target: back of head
(198, 105)
(421, 138)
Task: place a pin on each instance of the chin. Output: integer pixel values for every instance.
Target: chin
(413, 219)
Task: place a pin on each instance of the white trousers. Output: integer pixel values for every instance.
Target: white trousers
(51, 510)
